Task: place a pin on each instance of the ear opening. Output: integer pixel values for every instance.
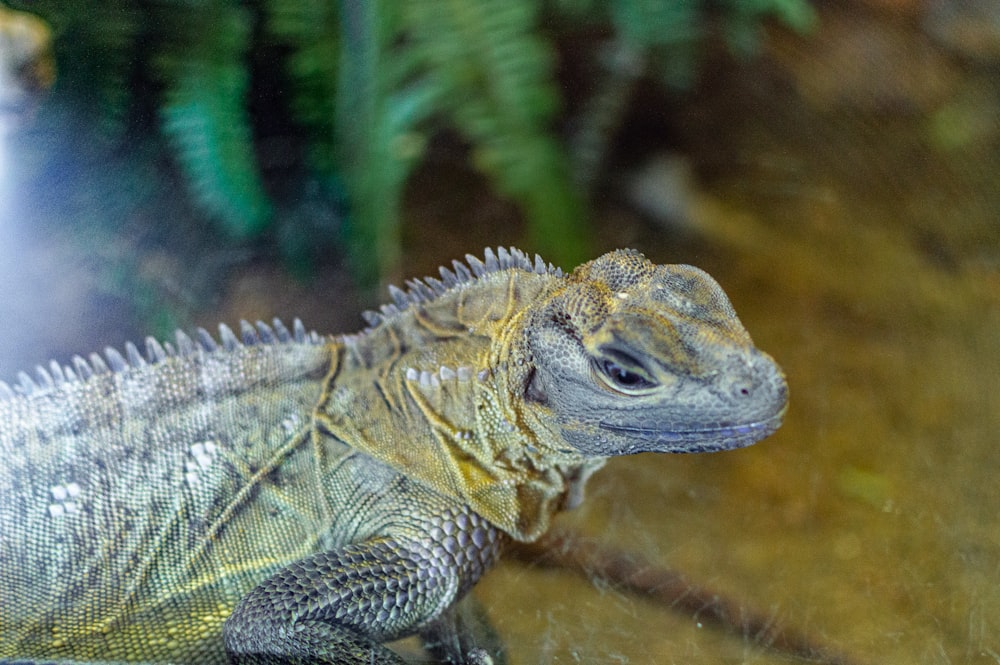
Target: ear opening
(533, 389)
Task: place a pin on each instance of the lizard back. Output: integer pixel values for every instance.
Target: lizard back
(125, 492)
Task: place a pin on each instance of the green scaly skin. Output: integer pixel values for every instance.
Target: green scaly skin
(295, 499)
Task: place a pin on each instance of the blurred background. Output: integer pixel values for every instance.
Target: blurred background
(835, 164)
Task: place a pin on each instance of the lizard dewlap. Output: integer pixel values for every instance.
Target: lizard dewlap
(280, 496)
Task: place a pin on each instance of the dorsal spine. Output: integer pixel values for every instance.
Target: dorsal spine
(112, 361)
(430, 288)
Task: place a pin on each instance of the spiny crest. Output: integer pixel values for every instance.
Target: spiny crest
(429, 288)
(56, 375)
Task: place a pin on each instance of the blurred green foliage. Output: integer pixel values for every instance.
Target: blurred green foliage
(361, 85)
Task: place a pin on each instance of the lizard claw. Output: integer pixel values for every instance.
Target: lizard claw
(478, 656)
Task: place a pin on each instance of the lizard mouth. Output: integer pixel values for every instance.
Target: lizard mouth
(696, 439)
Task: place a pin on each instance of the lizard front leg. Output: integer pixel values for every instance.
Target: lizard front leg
(339, 606)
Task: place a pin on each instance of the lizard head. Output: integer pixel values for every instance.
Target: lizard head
(629, 356)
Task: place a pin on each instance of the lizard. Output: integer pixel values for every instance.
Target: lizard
(280, 496)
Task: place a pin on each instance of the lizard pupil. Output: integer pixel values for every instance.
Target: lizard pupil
(622, 376)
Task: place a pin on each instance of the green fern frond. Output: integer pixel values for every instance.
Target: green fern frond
(310, 29)
(382, 103)
(653, 23)
(495, 71)
(742, 20)
(204, 115)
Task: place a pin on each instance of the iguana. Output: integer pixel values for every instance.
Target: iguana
(284, 497)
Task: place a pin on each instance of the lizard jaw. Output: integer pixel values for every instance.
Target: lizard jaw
(695, 440)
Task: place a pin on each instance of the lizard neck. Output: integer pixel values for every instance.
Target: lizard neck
(437, 394)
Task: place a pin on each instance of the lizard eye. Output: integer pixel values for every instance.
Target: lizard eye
(623, 373)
